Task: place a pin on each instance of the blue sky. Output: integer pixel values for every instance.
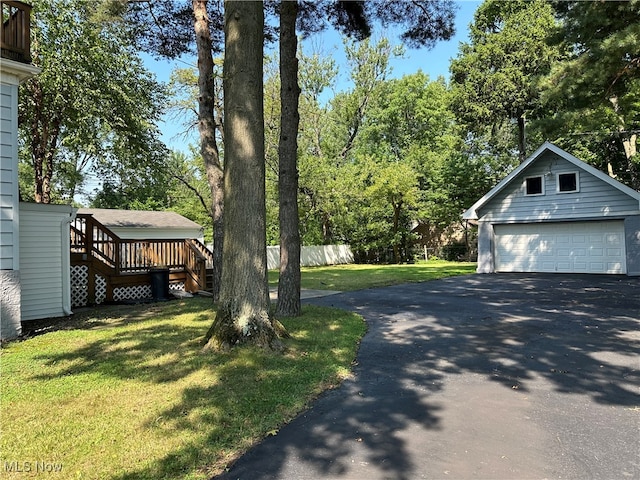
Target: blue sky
(434, 62)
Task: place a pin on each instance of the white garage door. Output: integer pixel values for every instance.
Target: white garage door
(572, 247)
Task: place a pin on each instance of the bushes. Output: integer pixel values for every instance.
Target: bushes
(456, 252)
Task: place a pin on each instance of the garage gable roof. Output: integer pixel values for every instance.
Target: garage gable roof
(139, 219)
(471, 213)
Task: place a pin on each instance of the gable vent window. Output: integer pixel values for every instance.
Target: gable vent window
(568, 182)
(534, 186)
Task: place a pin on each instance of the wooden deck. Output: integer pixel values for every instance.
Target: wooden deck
(15, 28)
(109, 264)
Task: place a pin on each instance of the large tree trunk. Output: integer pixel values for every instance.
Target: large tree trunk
(243, 311)
(397, 209)
(629, 144)
(207, 130)
(45, 132)
(289, 282)
(522, 139)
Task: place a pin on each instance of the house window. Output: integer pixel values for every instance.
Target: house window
(567, 182)
(534, 186)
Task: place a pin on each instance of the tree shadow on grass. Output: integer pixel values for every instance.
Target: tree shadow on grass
(230, 390)
(137, 336)
(576, 335)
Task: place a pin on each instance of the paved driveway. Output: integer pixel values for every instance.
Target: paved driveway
(484, 376)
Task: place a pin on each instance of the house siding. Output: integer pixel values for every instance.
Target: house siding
(595, 199)
(11, 75)
(632, 238)
(43, 261)
(8, 178)
(485, 248)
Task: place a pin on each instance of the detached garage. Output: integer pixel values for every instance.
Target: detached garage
(557, 214)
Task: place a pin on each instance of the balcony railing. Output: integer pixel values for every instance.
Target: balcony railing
(15, 31)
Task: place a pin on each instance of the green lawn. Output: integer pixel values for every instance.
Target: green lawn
(357, 277)
(125, 392)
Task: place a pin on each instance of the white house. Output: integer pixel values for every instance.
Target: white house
(555, 213)
(14, 69)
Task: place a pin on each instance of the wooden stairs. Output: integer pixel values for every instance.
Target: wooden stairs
(110, 265)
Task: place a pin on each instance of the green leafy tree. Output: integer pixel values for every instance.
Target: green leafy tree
(411, 132)
(396, 186)
(318, 74)
(496, 73)
(593, 94)
(139, 190)
(93, 106)
(330, 131)
(189, 193)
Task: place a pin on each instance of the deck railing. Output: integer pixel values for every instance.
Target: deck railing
(98, 255)
(15, 31)
(91, 238)
(197, 259)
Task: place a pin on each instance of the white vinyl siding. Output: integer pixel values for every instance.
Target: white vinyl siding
(41, 260)
(594, 199)
(8, 178)
(565, 247)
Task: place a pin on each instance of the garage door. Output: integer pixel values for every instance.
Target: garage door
(575, 247)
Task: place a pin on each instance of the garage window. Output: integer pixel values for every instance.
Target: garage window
(567, 182)
(534, 186)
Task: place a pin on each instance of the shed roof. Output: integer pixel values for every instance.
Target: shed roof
(472, 212)
(139, 218)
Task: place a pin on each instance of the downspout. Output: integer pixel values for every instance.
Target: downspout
(66, 261)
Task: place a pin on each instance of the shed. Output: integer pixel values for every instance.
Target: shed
(45, 260)
(555, 213)
(146, 225)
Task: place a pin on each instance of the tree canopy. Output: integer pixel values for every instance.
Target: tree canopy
(94, 105)
(593, 93)
(495, 74)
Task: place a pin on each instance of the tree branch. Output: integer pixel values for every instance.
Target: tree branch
(197, 193)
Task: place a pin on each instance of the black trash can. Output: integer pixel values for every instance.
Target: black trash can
(159, 283)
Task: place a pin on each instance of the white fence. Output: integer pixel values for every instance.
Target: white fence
(314, 256)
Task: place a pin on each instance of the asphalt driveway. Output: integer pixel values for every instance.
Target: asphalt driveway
(484, 376)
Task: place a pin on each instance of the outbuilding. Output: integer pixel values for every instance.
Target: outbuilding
(45, 260)
(146, 225)
(555, 213)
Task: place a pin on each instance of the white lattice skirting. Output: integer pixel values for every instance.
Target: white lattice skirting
(101, 289)
(79, 285)
(80, 288)
(137, 292)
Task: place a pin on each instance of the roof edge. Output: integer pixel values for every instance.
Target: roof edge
(472, 212)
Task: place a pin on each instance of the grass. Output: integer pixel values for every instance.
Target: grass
(356, 277)
(127, 393)
(124, 393)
